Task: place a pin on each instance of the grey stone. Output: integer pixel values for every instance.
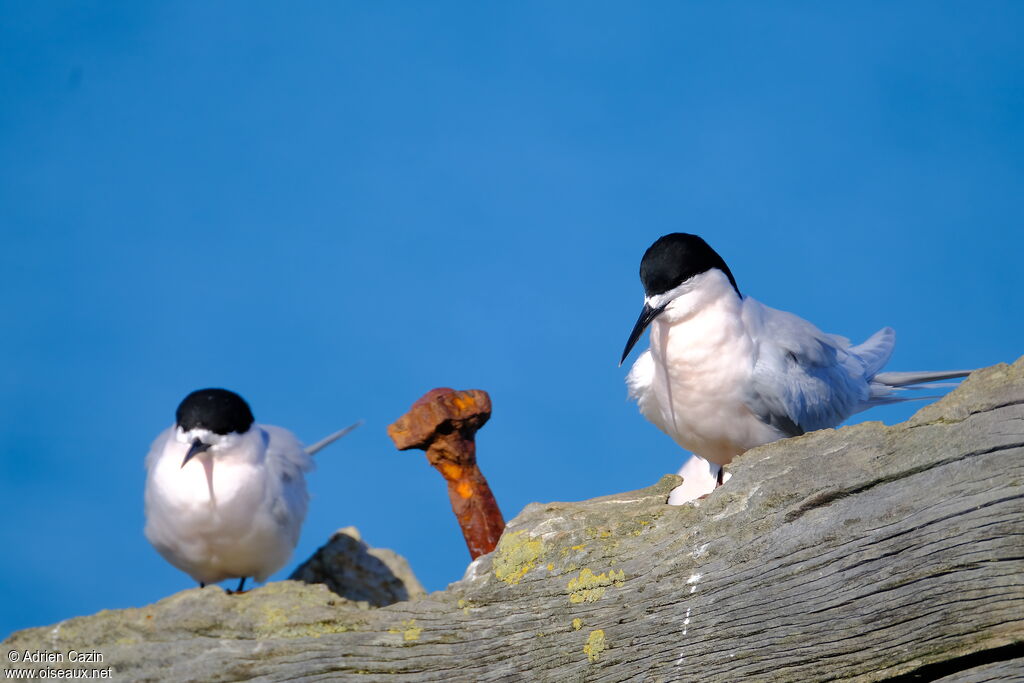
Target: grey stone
(355, 571)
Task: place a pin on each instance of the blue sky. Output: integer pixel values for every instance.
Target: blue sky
(334, 207)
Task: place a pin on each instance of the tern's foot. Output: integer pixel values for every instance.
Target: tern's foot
(241, 588)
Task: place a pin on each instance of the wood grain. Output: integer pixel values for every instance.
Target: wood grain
(868, 553)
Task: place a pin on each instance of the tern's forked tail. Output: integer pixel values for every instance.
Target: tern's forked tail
(903, 379)
(888, 387)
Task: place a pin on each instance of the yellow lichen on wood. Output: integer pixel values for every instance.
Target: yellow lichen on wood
(408, 629)
(596, 644)
(515, 555)
(412, 631)
(590, 587)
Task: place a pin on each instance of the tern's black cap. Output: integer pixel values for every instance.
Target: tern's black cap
(219, 410)
(675, 258)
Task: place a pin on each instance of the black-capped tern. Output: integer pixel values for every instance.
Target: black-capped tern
(226, 496)
(725, 373)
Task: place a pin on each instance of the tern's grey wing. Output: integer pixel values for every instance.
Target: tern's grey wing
(285, 454)
(803, 379)
(287, 463)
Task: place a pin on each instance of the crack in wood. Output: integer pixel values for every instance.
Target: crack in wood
(950, 667)
(825, 498)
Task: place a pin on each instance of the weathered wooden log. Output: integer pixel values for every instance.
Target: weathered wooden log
(865, 553)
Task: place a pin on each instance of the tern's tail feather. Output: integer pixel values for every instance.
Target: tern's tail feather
(328, 440)
(887, 387)
(902, 379)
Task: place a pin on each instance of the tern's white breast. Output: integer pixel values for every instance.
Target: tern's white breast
(223, 515)
(703, 362)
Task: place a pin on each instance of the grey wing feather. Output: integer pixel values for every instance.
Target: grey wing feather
(288, 462)
(875, 352)
(285, 452)
(804, 379)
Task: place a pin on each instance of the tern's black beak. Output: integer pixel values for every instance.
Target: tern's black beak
(646, 316)
(196, 448)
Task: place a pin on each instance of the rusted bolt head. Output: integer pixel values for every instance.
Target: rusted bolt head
(440, 412)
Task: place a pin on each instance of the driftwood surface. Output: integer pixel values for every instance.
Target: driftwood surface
(865, 553)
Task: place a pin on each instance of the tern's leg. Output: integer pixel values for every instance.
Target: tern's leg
(721, 474)
(241, 585)
(202, 585)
